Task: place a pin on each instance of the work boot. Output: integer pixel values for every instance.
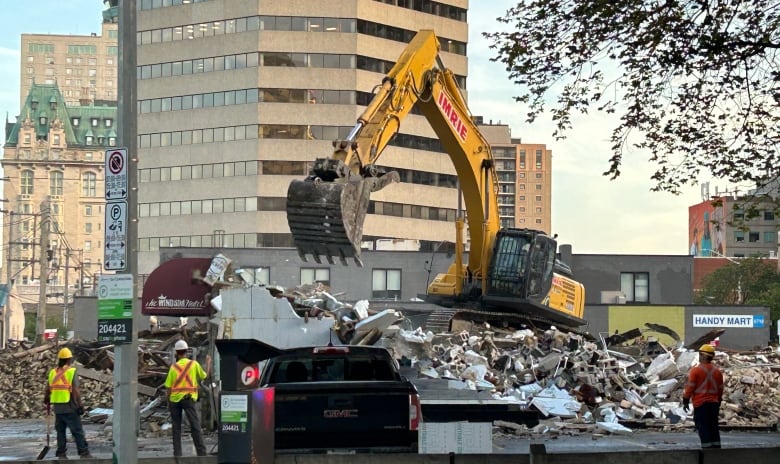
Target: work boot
(86, 456)
(62, 457)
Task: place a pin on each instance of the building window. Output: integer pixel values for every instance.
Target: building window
(87, 245)
(386, 284)
(76, 121)
(27, 182)
(770, 237)
(88, 210)
(753, 237)
(739, 236)
(88, 228)
(769, 215)
(538, 159)
(55, 183)
(109, 122)
(89, 184)
(635, 286)
(313, 275)
(56, 140)
(95, 122)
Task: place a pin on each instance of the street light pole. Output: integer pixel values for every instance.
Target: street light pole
(739, 279)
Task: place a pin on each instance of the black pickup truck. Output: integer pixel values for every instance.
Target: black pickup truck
(341, 397)
(330, 399)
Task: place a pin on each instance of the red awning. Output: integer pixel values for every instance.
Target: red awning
(171, 290)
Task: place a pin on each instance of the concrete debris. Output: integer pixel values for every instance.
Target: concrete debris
(571, 380)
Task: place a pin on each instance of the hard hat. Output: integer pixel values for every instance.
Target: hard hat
(64, 353)
(707, 349)
(180, 345)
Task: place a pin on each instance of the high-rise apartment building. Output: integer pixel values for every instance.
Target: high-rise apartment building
(236, 98)
(524, 173)
(84, 67)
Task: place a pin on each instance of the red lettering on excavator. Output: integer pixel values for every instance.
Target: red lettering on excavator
(452, 116)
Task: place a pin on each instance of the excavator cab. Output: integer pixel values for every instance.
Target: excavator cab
(522, 264)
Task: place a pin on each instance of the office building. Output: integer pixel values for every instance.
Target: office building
(236, 98)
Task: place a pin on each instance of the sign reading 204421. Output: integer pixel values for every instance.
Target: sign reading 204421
(116, 236)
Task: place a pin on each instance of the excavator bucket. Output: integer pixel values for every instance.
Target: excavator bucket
(326, 218)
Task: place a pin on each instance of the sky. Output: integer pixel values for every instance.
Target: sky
(590, 212)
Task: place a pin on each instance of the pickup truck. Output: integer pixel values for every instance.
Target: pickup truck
(341, 398)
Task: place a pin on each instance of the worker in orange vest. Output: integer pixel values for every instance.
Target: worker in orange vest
(62, 391)
(705, 389)
(182, 384)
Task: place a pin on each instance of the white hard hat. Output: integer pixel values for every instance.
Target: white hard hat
(180, 345)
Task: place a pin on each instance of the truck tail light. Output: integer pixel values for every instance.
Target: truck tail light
(415, 413)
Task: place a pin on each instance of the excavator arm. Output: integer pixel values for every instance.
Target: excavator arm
(512, 271)
(326, 211)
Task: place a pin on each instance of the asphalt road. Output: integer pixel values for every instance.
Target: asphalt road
(24, 439)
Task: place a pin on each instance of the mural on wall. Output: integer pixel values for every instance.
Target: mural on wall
(624, 318)
(705, 230)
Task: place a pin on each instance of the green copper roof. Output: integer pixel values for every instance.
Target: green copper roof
(54, 109)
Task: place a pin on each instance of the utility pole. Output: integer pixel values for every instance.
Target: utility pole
(65, 292)
(126, 354)
(40, 326)
(8, 276)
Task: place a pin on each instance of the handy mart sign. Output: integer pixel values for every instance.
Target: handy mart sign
(755, 321)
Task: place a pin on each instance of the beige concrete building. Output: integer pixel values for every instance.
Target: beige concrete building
(84, 67)
(524, 179)
(238, 97)
(53, 155)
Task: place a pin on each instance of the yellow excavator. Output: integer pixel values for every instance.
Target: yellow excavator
(511, 274)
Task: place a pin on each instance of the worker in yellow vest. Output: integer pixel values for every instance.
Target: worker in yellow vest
(62, 392)
(182, 384)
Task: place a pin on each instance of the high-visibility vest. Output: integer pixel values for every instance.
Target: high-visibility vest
(61, 384)
(705, 385)
(184, 382)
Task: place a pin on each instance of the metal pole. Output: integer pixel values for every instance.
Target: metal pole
(126, 367)
(65, 292)
(9, 275)
(40, 326)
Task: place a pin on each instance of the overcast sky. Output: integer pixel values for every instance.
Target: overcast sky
(592, 213)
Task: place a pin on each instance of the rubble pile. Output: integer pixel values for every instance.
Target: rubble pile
(584, 385)
(23, 371)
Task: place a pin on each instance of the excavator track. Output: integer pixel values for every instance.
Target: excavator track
(440, 320)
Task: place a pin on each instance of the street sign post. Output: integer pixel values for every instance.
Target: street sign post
(115, 308)
(115, 227)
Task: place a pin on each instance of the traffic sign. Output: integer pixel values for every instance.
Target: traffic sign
(116, 174)
(115, 227)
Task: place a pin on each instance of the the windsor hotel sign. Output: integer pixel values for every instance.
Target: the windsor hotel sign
(175, 289)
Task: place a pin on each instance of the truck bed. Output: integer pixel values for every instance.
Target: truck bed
(341, 400)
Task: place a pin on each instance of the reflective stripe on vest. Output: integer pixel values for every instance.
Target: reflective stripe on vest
(708, 385)
(61, 384)
(182, 376)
